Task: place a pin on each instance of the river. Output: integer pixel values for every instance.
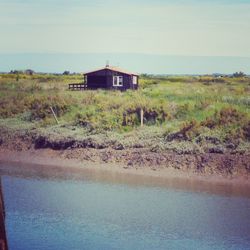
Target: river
(84, 213)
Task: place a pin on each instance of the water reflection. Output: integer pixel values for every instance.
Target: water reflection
(226, 188)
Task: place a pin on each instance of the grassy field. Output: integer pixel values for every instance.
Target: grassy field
(191, 111)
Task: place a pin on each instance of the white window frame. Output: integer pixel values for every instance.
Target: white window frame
(134, 80)
(117, 81)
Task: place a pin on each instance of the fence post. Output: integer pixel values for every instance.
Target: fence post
(141, 117)
(54, 114)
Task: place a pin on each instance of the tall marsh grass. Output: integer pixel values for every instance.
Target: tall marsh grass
(171, 102)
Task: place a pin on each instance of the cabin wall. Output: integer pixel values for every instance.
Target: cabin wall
(97, 80)
(132, 85)
(126, 80)
(104, 79)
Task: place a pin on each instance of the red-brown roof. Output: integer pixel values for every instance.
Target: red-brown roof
(113, 69)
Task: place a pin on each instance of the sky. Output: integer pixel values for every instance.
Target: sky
(165, 28)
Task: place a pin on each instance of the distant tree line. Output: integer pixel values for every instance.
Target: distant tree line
(66, 72)
(27, 72)
(32, 72)
(239, 74)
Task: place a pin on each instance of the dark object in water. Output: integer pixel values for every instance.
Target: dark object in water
(3, 238)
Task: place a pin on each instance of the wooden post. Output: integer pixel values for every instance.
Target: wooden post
(3, 238)
(54, 114)
(141, 117)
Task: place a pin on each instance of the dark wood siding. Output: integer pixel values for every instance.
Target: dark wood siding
(104, 79)
(95, 82)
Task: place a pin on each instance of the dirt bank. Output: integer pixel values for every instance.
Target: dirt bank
(229, 164)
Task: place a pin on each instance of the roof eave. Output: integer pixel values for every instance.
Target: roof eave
(117, 70)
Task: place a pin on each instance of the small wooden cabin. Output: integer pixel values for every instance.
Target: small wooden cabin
(111, 78)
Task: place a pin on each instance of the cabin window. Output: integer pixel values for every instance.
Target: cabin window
(134, 79)
(118, 81)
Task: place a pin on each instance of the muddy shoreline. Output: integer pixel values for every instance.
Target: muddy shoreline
(48, 164)
(230, 165)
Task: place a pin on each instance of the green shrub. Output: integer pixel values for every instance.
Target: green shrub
(202, 104)
(226, 116)
(246, 130)
(190, 129)
(187, 131)
(40, 106)
(182, 110)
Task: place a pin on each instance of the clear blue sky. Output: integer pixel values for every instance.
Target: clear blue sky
(214, 28)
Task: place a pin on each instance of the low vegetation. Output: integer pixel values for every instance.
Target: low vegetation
(210, 113)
